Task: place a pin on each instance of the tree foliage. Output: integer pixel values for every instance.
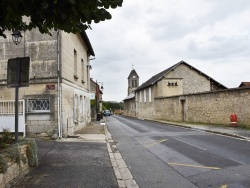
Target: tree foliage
(67, 15)
(112, 105)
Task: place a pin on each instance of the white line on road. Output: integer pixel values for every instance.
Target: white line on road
(190, 144)
(237, 161)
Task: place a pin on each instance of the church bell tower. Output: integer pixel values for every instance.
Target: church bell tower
(133, 81)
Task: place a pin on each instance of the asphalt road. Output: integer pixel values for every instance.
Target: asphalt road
(161, 155)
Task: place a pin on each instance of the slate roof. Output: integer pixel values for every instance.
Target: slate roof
(160, 75)
(131, 96)
(133, 72)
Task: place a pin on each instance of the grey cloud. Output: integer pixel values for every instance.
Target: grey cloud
(220, 47)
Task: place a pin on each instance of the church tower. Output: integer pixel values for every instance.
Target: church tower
(133, 81)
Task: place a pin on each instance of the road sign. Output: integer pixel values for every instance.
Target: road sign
(20, 79)
(92, 96)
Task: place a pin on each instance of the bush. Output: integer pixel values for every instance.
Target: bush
(12, 152)
(6, 139)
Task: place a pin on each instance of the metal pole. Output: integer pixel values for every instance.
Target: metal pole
(16, 98)
(96, 99)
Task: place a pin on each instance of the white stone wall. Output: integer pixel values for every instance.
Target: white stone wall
(70, 122)
(69, 43)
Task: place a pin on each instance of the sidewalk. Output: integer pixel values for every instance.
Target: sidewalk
(98, 132)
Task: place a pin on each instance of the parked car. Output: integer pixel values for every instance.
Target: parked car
(106, 113)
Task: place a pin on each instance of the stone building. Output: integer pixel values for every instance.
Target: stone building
(57, 99)
(182, 93)
(178, 79)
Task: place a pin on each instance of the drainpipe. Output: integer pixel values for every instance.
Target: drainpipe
(58, 87)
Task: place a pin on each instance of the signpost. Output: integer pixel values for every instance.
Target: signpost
(18, 76)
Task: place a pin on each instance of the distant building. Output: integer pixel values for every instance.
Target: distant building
(98, 91)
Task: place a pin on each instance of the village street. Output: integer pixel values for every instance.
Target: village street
(161, 155)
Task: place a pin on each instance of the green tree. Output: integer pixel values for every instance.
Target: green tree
(112, 105)
(68, 15)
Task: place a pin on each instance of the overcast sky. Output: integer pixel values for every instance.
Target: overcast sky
(211, 35)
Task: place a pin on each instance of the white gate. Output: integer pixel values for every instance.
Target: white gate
(7, 116)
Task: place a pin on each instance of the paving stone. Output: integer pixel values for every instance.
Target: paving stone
(131, 184)
(117, 173)
(126, 174)
(121, 163)
(117, 156)
(121, 184)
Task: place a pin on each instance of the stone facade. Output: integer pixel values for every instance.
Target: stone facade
(130, 108)
(209, 107)
(58, 96)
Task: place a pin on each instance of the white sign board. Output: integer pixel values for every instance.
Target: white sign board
(92, 96)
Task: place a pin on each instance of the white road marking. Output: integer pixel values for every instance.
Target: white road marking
(237, 161)
(190, 144)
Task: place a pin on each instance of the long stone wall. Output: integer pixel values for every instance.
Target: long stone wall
(209, 108)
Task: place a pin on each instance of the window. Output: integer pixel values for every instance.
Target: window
(82, 62)
(149, 95)
(75, 64)
(140, 96)
(76, 109)
(84, 105)
(145, 95)
(134, 83)
(38, 105)
(81, 108)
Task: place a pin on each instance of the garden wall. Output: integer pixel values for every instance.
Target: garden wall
(16, 160)
(209, 107)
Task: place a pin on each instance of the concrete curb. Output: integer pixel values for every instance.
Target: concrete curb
(228, 134)
(123, 175)
(202, 129)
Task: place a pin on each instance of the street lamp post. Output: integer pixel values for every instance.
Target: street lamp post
(17, 37)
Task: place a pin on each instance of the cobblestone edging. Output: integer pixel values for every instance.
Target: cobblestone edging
(123, 175)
